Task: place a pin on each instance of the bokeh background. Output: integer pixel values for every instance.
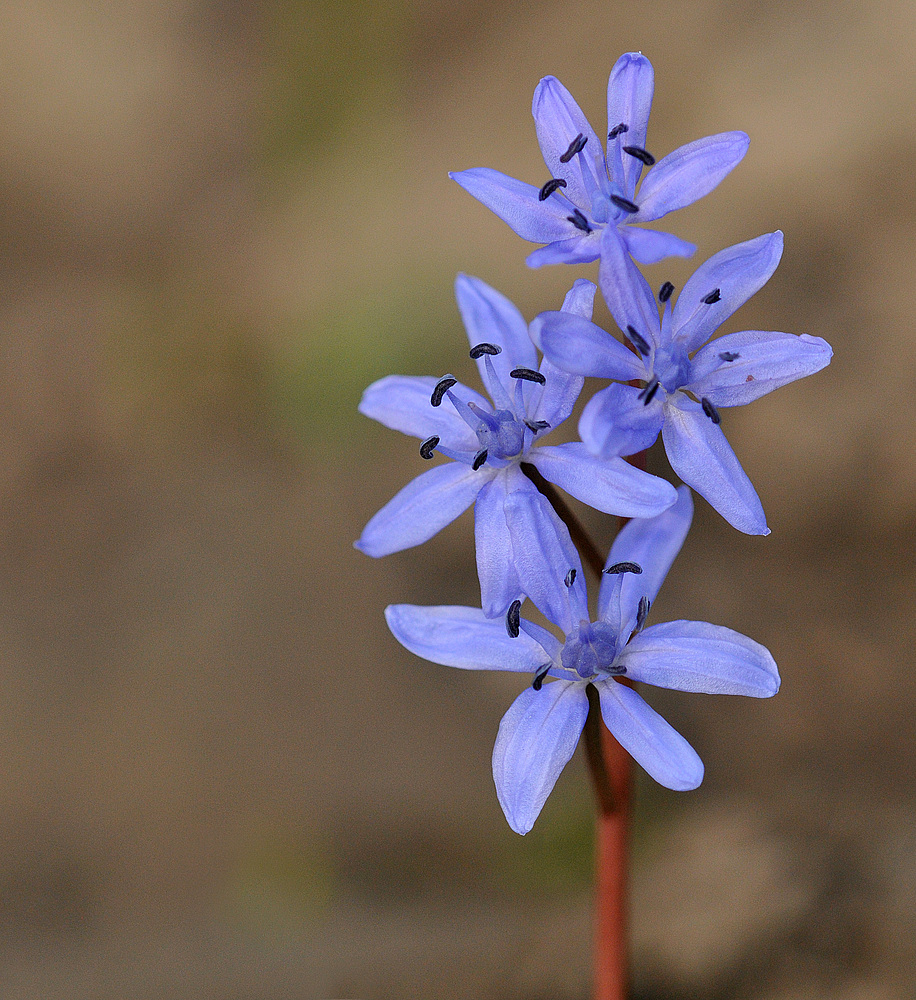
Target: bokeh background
(220, 777)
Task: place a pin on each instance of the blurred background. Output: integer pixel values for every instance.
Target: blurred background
(220, 777)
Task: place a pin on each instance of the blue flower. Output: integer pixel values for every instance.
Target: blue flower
(488, 444)
(683, 383)
(540, 731)
(588, 191)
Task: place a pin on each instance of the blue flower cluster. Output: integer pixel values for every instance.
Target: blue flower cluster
(667, 376)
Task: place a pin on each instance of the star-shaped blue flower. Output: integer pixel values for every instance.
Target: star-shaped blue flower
(540, 731)
(683, 383)
(588, 191)
(515, 526)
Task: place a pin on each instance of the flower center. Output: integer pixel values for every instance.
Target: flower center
(500, 434)
(590, 650)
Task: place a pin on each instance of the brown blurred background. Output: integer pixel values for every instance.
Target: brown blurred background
(219, 775)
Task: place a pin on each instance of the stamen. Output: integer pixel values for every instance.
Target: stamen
(649, 392)
(528, 374)
(539, 678)
(479, 459)
(579, 221)
(618, 130)
(665, 292)
(642, 612)
(624, 203)
(442, 387)
(428, 446)
(710, 411)
(625, 567)
(548, 189)
(729, 355)
(513, 618)
(641, 154)
(576, 146)
(537, 425)
(639, 341)
(713, 296)
(481, 349)
(570, 578)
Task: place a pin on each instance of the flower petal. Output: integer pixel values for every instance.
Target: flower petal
(626, 291)
(610, 485)
(543, 553)
(517, 204)
(652, 543)
(689, 173)
(703, 658)
(499, 584)
(582, 248)
(559, 120)
(580, 299)
(700, 455)
(763, 361)
(649, 246)
(462, 637)
(578, 346)
(490, 318)
(537, 736)
(650, 741)
(616, 422)
(737, 272)
(401, 402)
(425, 506)
(629, 101)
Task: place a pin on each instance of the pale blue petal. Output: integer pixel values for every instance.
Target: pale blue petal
(580, 299)
(582, 248)
(661, 751)
(616, 422)
(629, 101)
(738, 272)
(558, 120)
(462, 637)
(689, 173)
(625, 290)
(499, 584)
(578, 346)
(517, 204)
(649, 246)
(651, 543)
(537, 737)
(401, 402)
(703, 658)
(490, 318)
(422, 508)
(765, 361)
(559, 395)
(610, 485)
(543, 554)
(700, 455)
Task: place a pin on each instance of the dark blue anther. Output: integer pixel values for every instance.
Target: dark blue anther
(528, 374)
(576, 146)
(639, 341)
(537, 425)
(481, 349)
(642, 612)
(710, 410)
(570, 578)
(579, 221)
(539, 678)
(641, 154)
(713, 296)
(442, 387)
(618, 130)
(548, 189)
(428, 446)
(625, 567)
(625, 204)
(665, 292)
(649, 392)
(729, 355)
(479, 459)
(513, 619)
